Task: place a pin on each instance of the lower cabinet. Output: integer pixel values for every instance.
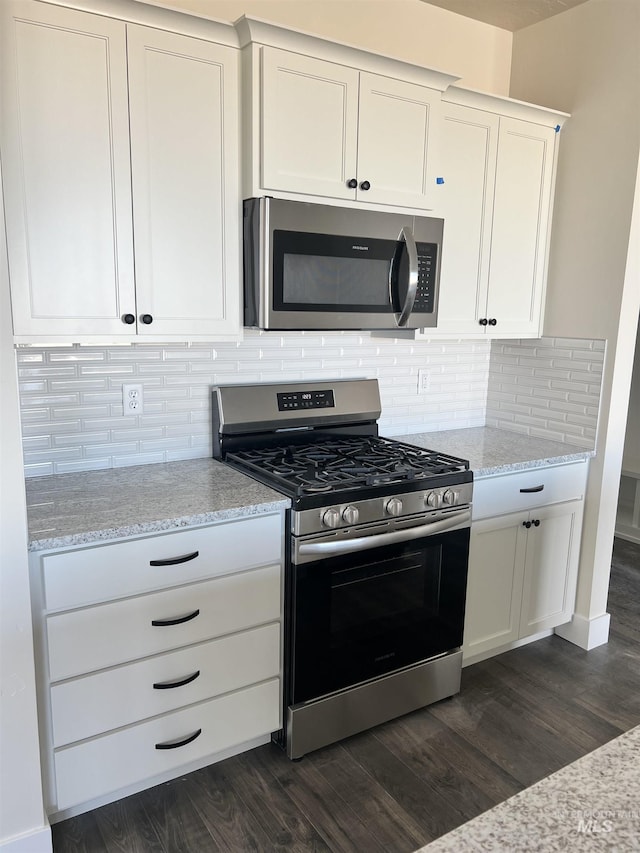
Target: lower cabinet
(523, 565)
(136, 688)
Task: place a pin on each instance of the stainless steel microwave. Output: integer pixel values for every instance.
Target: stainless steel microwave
(313, 266)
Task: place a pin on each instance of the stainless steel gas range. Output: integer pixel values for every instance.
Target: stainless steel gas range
(376, 553)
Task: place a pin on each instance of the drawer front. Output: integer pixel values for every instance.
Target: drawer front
(103, 572)
(118, 697)
(92, 638)
(504, 493)
(129, 756)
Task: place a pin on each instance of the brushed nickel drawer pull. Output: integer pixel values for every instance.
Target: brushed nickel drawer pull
(174, 561)
(532, 489)
(175, 744)
(169, 685)
(161, 623)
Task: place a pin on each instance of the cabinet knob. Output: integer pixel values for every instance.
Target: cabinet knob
(147, 319)
(493, 322)
(352, 184)
(129, 319)
(365, 185)
(536, 522)
(483, 321)
(526, 524)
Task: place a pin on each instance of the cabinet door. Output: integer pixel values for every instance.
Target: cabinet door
(184, 155)
(551, 567)
(521, 212)
(309, 125)
(65, 147)
(465, 200)
(397, 136)
(494, 587)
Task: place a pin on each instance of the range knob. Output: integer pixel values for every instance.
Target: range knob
(434, 499)
(393, 506)
(450, 498)
(331, 517)
(351, 514)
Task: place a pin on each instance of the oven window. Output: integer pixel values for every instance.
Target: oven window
(362, 615)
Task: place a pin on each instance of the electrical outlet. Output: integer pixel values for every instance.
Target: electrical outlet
(424, 380)
(132, 399)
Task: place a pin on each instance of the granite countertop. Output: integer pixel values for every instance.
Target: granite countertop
(74, 509)
(592, 804)
(497, 451)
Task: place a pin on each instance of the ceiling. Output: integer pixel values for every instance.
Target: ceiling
(507, 14)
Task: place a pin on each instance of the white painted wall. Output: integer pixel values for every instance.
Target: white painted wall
(406, 29)
(587, 61)
(22, 819)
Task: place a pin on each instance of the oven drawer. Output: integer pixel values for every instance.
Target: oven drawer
(92, 638)
(506, 493)
(88, 706)
(105, 764)
(103, 572)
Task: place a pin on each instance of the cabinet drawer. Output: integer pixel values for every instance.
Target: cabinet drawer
(107, 700)
(114, 761)
(102, 572)
(503, 493)
(92, 638)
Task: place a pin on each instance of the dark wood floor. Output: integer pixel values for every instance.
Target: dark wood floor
(518, 718)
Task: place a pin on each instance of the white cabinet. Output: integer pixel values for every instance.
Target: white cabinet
(336, 123)
(523, 564)
(498, 165)
(119, 136)
(330, 130)
(156, 655)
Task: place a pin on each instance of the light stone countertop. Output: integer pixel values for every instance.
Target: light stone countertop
(93, 506)
(497, 451)
(592, 804)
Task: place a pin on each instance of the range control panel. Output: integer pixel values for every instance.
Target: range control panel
(295, 400)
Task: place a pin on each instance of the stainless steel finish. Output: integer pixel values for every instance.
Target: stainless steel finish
(332, 517)
(350, 514)
(312, 725)
(412, 251)
(450, 498)
(309, 521)
(393, 507)
(252, 408)
(434, 499)
(319, 547)
(269, 214)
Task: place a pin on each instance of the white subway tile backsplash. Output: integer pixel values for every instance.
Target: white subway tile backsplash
(72, 407)
(549, 388)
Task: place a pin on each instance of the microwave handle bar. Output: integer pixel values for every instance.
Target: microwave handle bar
(412, 251)
(347, 546)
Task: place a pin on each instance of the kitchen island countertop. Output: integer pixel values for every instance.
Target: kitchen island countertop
(94, 506)
(497, 451)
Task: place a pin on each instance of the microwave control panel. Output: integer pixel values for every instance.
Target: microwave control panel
(427, 258)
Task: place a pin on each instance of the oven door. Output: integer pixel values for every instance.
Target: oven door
(392, 600)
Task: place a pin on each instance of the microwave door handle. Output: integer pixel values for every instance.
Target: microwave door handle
(412, 251)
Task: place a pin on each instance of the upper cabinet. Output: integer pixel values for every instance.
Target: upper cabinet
(498, 165)
(363, 129)
(120, 144)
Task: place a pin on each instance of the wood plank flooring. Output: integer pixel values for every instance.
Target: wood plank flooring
(519, 717)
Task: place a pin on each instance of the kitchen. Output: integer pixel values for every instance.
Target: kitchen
(584, 206)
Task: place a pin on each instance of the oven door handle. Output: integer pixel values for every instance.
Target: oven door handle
(361, 543)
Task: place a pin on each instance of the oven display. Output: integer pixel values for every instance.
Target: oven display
(293, 400)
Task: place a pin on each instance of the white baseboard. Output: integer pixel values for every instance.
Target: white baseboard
(36, 841)
(470, 659)
(586, 633)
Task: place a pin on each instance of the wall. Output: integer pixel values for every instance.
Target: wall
(406, 29)
(22, 822)
(587, 61)
(71, 398)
